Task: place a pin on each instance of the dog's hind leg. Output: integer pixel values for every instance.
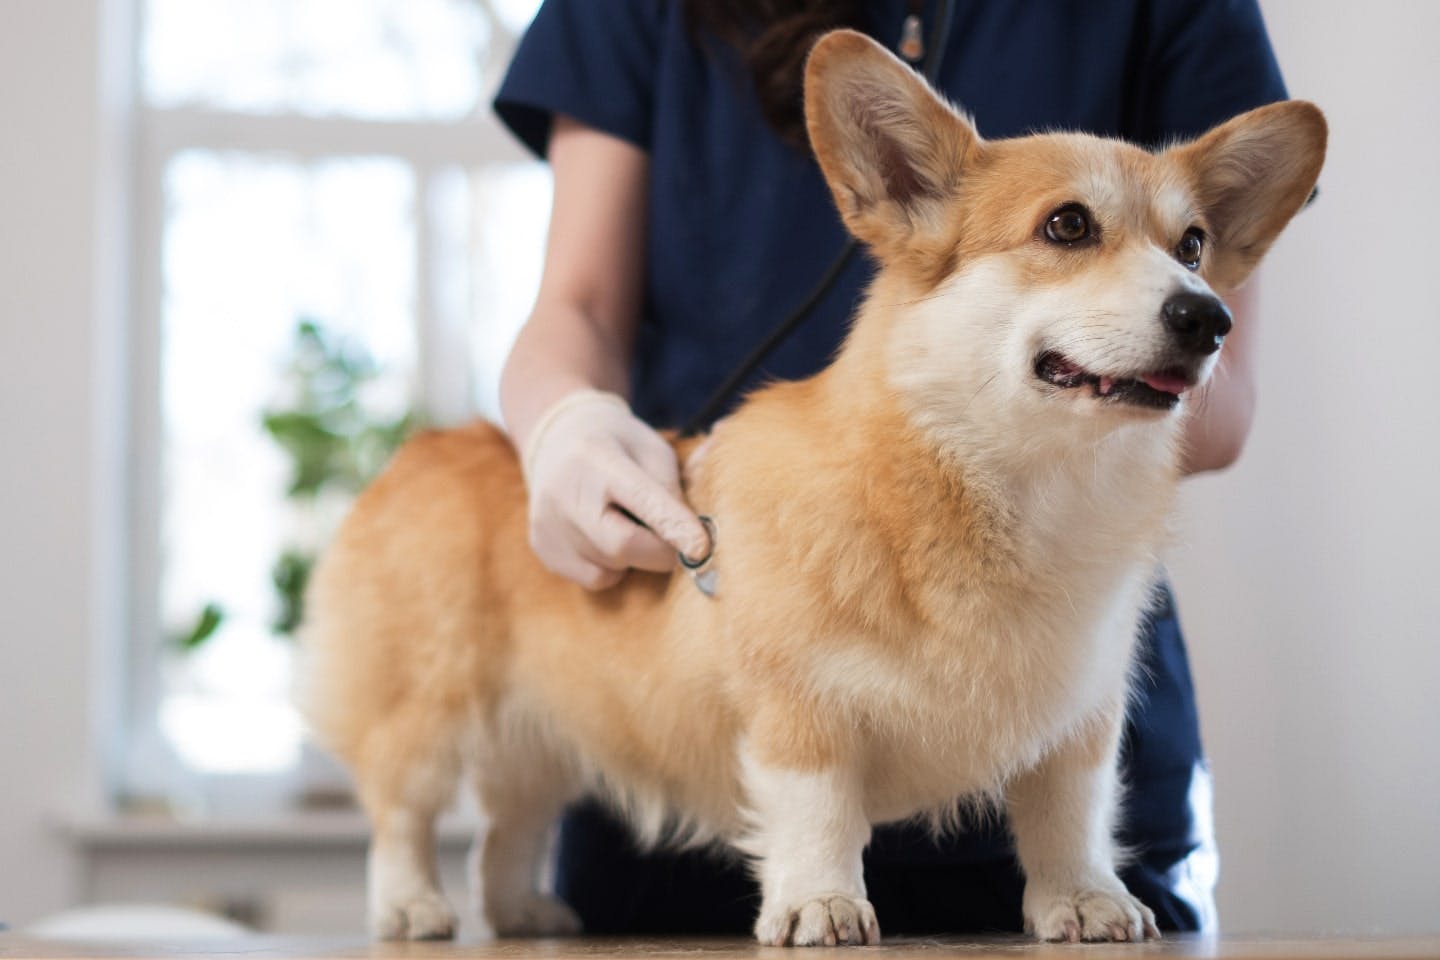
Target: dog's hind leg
(522, 789)
(408, 774)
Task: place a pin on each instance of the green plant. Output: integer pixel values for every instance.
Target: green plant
(336, 445)
(289, 575)
(206, 623)
(332, 440)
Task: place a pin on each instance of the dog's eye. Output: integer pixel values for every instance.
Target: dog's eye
(1069, 224)
(1187, 251)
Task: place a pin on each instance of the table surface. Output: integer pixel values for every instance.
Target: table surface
(16, 947)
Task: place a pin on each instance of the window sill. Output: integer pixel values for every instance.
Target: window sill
(300, 873)
(301, 830)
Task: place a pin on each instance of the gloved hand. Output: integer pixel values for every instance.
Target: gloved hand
(585, 459)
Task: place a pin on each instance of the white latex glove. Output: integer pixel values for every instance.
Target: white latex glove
(586, 458)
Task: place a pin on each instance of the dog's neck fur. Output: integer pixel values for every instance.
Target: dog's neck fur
(1078, 493)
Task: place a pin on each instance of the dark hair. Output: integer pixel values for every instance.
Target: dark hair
(773, 38)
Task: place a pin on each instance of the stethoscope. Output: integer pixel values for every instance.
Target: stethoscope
(915, 50)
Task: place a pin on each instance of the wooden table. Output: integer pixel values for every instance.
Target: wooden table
(15, 947)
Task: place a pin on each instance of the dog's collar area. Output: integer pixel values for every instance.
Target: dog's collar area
(702, 572)
(1160, 389)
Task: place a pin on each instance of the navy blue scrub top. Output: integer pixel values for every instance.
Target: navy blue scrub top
(741, 225)
(740, 228)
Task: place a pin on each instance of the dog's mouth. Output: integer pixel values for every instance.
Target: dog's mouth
(1158, 390)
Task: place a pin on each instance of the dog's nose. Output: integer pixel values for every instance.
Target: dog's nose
(1199, 321)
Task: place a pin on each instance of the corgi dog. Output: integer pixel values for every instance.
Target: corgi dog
(932, 557)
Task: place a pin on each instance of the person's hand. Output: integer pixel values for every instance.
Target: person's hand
(586, 460)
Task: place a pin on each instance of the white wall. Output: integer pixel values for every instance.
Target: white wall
(59, 411)
(1308, 581)
(1310, 585)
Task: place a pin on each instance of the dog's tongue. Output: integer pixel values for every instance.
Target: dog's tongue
(1165, 383)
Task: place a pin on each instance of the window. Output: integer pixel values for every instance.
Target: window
(313, 175)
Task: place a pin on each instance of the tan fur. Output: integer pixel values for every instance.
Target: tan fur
(929, 580)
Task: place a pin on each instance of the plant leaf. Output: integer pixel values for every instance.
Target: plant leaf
(209, 620)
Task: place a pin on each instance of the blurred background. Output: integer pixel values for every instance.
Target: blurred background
(246, 245)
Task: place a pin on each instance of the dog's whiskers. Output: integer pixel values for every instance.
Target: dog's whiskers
(988, 381)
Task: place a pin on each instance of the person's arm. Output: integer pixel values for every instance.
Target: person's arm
(561, 392)
(582, 328)
(1219, 421)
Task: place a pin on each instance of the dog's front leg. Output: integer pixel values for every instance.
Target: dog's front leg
(808, 833)
(1062, 813)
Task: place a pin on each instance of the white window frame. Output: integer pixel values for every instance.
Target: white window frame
(445, 383)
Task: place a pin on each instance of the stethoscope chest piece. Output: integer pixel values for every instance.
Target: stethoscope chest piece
(702, 570)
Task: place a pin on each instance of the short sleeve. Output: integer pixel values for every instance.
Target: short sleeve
(1208, 61)
(594, 60)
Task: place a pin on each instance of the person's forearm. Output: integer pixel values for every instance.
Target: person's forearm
(580, 333)
(1215, 434)
(604, 488)
(1221, 413)
(559, 350)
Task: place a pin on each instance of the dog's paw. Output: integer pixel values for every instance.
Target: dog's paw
(536, 915)
(827, 920)
(1103, 912)
(423, 917)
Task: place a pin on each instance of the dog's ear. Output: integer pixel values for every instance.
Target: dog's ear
(890, 149)
(1251, 175)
